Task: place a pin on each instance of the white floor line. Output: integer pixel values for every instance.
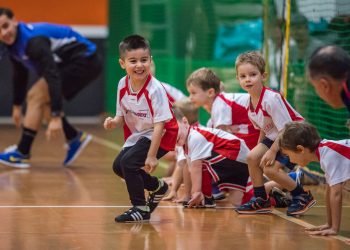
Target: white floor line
(117, 147)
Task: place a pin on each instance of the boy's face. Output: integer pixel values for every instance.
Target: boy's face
(8, 29)
(200, 97)
(137, 64)
(301, 157)
(250, 78)
(183, 132)
(328, 90)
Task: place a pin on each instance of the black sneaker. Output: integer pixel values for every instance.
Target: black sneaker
(301, 203)
(255, 206)
(156, 196)
(208, 202)
(280, 198)
(134, 214)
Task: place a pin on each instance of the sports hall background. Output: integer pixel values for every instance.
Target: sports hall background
(186, 35)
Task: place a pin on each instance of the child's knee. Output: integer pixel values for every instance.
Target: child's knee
(117, 168)
(252, 159)
(270, 171)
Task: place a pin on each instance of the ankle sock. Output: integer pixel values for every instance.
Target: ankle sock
(25, 144)
(260, 192)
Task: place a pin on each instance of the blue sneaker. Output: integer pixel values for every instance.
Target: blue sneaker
(14, 158)
(217, 193)
(301, 204)
(256, 205)
(76, 146)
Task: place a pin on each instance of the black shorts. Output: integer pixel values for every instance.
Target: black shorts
(228, 174)
(78, 73)
(283, 159)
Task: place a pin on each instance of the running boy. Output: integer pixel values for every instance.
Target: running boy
(228, 111)
(150, 129)
(215, 153)
(302, 143)
(269, 112)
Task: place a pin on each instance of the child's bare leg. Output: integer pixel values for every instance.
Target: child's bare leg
(235, 197)
(282, 178)
(253, 160)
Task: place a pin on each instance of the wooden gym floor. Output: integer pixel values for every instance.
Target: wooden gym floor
(52, 207)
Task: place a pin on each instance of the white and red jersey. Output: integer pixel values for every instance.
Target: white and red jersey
(174, 94)
(232, 109)
(272, 113)
(144, 108)
(334, 157)
(202, 141)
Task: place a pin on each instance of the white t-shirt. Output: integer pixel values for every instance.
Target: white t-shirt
(334, 157)
(272, 113)
(202, 141)
(144, 108)
(174, 94)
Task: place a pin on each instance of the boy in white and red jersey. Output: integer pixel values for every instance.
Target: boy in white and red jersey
(150, 129)
(228, 111)
(217, 154)
(269, 112)
(302, 143)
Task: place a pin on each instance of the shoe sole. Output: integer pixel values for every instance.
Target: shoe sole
(134, 221)
(310, 205)
(15, 165)
(260, 211)
(83, 145)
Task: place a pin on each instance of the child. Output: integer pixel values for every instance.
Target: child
(150, 129)
(269, 112)
(302, 143)
(215, 153)
(228, 110)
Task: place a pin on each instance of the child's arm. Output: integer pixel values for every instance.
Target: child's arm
(196, 178)
(177, 180)
(335, 202)
(111, 123)
(151, 160)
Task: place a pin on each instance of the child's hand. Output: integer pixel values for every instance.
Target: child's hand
(324, 232)
(170, 197)
(318, 228)
(268, 159)
(110, 123)
(150, 164)
(196, 199)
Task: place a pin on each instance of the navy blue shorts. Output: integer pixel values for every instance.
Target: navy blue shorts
(283, 159)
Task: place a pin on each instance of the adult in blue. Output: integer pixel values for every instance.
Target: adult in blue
(65, 62)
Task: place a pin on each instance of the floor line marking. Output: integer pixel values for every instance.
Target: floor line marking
(117, 147)
(305, 224)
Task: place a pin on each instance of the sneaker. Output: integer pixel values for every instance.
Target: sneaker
(280, 198)
(217, 193)
(14, 158)
(208, 202)
(156, 196)
(301, 203)
(76, 146)
(134, 214)
(255, 206)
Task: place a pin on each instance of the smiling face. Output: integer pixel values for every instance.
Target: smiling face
(137, 64)
(250, 78)
(8, 29)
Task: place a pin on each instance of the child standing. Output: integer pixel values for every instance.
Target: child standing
(302, 143)
(216, 154)
(150, 129)
(269, 112)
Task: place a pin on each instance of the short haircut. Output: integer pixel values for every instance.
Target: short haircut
(205, 79)
(133, 42)
(6, 11)
(331, 61)
(299, 133)
(252, 57)
(188, 109)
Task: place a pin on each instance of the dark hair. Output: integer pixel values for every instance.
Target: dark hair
(330, 61)
(299, 133)
(204, 78)
(6, 11)
(133, 42)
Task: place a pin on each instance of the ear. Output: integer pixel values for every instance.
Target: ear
(300, 149)
(325, 85)
(121, 63)
(184, 120)
(264, 76)
(211, 92)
